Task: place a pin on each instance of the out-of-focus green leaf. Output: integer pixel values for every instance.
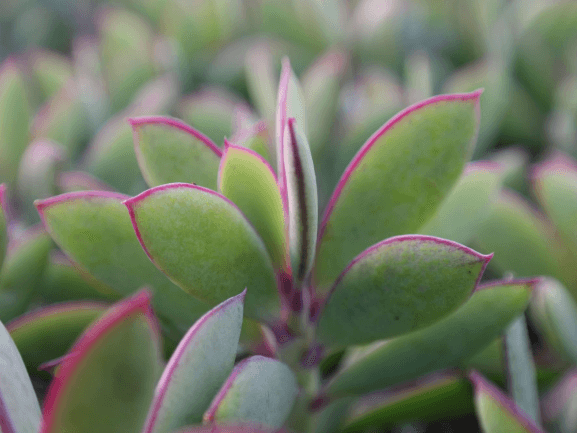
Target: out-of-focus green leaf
(107, 380)
(447, 343)
(521, 368)
(523, 241)
(21, 273)
(205, 244)
(256, 138)
(498, 413)
(397, 286)
(3, 225)
(261, 81)
(19, 408)
(468, 204)
(14, 117)
(50, 71)
(250, 183)
(259, 390)
(432, 398)
(302, 200)
(170, 151)
(95, 231)
(397, 180)
(49, 332)
(198, 367)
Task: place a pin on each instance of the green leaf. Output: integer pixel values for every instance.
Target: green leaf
(301, 191)
(555, 313)
(70, 181)
(397, 180)
(51, 71)
(522, 239)
(261, 80)
(445, 344)
(106, 382)
(3, 224)
(198, 367)
(49, 332)
(259, 390)
(204, 244)
(14, 117)
(171, 151)
(94, 230)
(19, 408)
(22, 271)
(248, 181)
(229, 428)
(468, 204)
(521, 368)
(432, 398)
(555, 185)
(498, 413)
(397, 286)
(256, 138)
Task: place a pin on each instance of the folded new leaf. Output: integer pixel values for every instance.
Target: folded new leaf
(248, 181)
(95, 231)
(445, 344)
(397, 180)
(498, 413)
(259, 390)
(169, 150)
(397, 286)
(19, 408)
(106, 381)
(204, 243)
(198, 367)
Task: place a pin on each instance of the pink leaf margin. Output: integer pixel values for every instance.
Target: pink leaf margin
(117, 314)
(365, 149)
(175, 359)
(482, 385)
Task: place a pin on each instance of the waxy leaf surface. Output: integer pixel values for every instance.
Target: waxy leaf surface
(468, 204)
(169, 150)
(205, 244)
(94, 229)
(397, 286)
(248, 181)
(198, 367)
(46, 334)
(397, 180)
(497, 412)
(445, 344)
(107, 380)
(14, 117)
(21, 273)
(259, 390)
(301, 193)
(19, 408)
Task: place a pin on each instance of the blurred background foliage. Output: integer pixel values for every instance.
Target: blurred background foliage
(74, 70)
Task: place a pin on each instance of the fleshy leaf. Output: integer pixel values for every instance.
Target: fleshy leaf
(259, 390)
(95, 231)
(22, 271)
(397, 180)
(198, 367)
(261, 80)
(235, 428)
(169, 150)
(290, 103)
(49, 332)
(498, 413)
(50, 71)
(555, 313)
(430, 399)
(3, 224)
(14, 118)
(555, 185)
(397, 286)
(521, 368)
(107, 380)
(248, 181)
(70, 181)
(468, 204)
(205, 244)
(522, 239)
(445, 344)
(256, 138)
(19, 408)
(301, 192)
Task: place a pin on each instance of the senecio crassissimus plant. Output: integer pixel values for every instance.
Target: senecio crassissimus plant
(229, 230)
